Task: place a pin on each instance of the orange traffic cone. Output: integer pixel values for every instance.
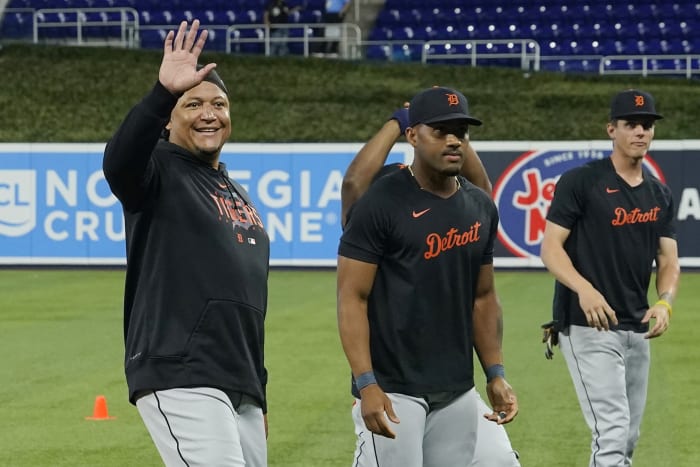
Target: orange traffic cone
(100, 410)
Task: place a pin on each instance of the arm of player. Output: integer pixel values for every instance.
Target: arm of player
(487, 320)
(126, 162)
(366, 164)
(178, 69)
(354, 283)
(598, 312)
(473, 169)
(668, 272)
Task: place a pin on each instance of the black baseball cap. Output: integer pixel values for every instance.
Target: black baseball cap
(214, 78)
(439, 104)
(633, 103)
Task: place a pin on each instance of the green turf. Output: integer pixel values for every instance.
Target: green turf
(61, 343)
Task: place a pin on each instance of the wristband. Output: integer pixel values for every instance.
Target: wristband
(401, 117)
(365, 379)
(494, 371)
(666, 304)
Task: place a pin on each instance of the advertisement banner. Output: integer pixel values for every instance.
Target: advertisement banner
(56, 207)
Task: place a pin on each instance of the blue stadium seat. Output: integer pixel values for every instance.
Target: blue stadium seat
(159, 17)
(643, 11)
(389, 17)
(380, 34)
(567, 27)
(571, 65)
(152, 38)
(311, 16)
(216, 39)
(245, 47)
(17, 25)
(381, 52)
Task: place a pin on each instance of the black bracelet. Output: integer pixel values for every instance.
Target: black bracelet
(494, 371)
(365, 379)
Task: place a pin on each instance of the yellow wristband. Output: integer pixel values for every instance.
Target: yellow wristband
(666, 304)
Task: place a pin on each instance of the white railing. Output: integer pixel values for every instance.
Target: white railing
(565, 62)
(527, 51)
(475, 52)
(77, 18)
(646, 65)
(348, 36)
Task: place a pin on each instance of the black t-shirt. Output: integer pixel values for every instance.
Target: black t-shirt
(615, 231)
(429, 252)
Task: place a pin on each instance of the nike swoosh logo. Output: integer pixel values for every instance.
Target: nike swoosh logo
(420, 213)
(610, 190)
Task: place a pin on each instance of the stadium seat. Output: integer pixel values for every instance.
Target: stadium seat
(17, 25)
(152, 38)
(381, 52)
(248, 47)
(567, 27)
(158, 17)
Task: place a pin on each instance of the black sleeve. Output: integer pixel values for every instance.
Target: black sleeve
(365, 232)
(493, 234)
(569, 198)
(127, 163)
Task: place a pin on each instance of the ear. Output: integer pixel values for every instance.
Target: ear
(611, 130)
(412, 136)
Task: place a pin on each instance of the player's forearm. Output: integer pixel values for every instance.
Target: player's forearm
(668, 270)
(667, 278)
(129, 149)
(354, 337)
(559, 264)
(354, 284)
(488, 330)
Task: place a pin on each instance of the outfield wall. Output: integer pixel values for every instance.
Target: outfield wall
(56, 207)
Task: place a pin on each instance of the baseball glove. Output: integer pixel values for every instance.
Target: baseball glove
(550, 337)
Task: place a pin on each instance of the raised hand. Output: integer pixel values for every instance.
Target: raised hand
(178, 70)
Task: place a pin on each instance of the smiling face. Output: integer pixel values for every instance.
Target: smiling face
(200, 122)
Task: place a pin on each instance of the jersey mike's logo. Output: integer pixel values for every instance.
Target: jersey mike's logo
(524, 192)
(17, 202)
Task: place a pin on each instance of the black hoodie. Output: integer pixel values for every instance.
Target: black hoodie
(197, 263)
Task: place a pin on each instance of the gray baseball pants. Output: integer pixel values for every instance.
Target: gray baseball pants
(201, 427)
(610, 372)
(435, 431)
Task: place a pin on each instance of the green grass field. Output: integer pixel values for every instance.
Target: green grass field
(61, 345)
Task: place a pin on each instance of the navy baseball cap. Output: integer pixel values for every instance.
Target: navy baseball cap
(633, 103)
(439, 104)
